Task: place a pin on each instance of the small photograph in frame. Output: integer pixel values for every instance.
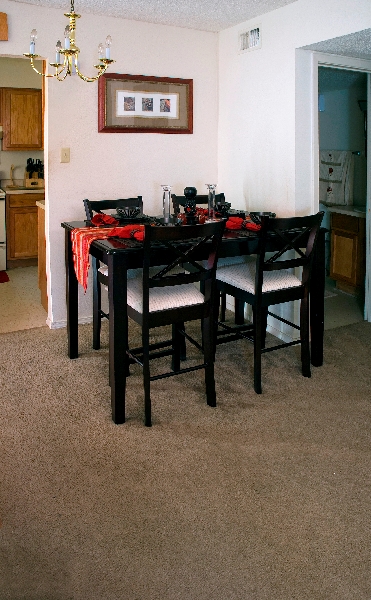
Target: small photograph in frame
(144, 104)
(129, 104)
(165, 105)
(147, 105)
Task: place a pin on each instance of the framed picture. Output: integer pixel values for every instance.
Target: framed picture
(143, 104)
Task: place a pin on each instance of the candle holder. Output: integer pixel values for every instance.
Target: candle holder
(166, 196)
(211, 201)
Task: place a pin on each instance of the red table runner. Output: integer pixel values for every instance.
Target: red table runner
(83, 237)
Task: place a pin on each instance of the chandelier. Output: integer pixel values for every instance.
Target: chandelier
(67, 58)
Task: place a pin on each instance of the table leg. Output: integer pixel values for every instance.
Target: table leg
(71, 300)
(317, 299)
(239, 311)
(118, 335)
(97, 318)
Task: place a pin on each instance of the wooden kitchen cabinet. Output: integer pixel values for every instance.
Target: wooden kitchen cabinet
(21, 116)
(348, 252)
(22, 228)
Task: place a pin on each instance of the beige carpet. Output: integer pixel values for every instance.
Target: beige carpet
(263, 497)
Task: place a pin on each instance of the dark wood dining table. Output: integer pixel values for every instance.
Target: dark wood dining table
(123, 254)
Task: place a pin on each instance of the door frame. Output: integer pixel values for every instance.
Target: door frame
(307, 139)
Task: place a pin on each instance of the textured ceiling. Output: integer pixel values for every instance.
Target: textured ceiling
(356, 45)
(207, 15)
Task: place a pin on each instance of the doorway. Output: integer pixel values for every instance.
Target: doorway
(20, 296)
(307, 137)
(342, 119)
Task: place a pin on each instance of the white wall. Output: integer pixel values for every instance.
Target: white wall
(112, 165)
(257, 101)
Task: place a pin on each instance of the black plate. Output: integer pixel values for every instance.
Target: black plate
(129, 212)
(255, 216)
(138, 219)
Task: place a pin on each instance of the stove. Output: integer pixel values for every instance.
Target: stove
(2, 232)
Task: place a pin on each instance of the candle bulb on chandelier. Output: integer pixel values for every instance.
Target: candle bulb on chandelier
(33, 38)
(67, 38)
(58, 49)
(100, 51)
(108, 46)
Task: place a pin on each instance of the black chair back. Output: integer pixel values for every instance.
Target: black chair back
(99, 206)
(298, 236)
(192, 250)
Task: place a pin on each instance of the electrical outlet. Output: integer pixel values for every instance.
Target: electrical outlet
(65, 155)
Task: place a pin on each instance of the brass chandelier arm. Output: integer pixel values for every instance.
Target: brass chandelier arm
(66, 67)
(59, 73)
(32, 57)
(102, 69)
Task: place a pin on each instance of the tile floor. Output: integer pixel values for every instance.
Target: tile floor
(20, 301)
(341, 308)
(21, 307)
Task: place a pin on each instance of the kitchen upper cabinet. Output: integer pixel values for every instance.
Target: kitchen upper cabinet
(22, 227)
(21, 116)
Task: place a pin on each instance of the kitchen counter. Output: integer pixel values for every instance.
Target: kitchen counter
(352, 211)
(24, 190)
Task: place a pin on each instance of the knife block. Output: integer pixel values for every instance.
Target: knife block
(31, 180)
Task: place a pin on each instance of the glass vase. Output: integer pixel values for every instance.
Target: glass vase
(211, 201)
(166, 197)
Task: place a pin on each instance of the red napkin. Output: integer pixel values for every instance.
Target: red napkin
(128, 231)
(251, 226)
(239, 223)
(234, 223)
(102, 219)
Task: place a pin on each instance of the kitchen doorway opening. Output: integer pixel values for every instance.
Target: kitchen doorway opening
(308, 64)
(342, 124)
(21, 297)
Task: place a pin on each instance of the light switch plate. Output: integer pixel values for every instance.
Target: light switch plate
(65, 155)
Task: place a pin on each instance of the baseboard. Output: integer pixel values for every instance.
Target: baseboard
(63, 323)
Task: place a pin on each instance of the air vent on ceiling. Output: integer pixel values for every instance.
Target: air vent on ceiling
(250, 40)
